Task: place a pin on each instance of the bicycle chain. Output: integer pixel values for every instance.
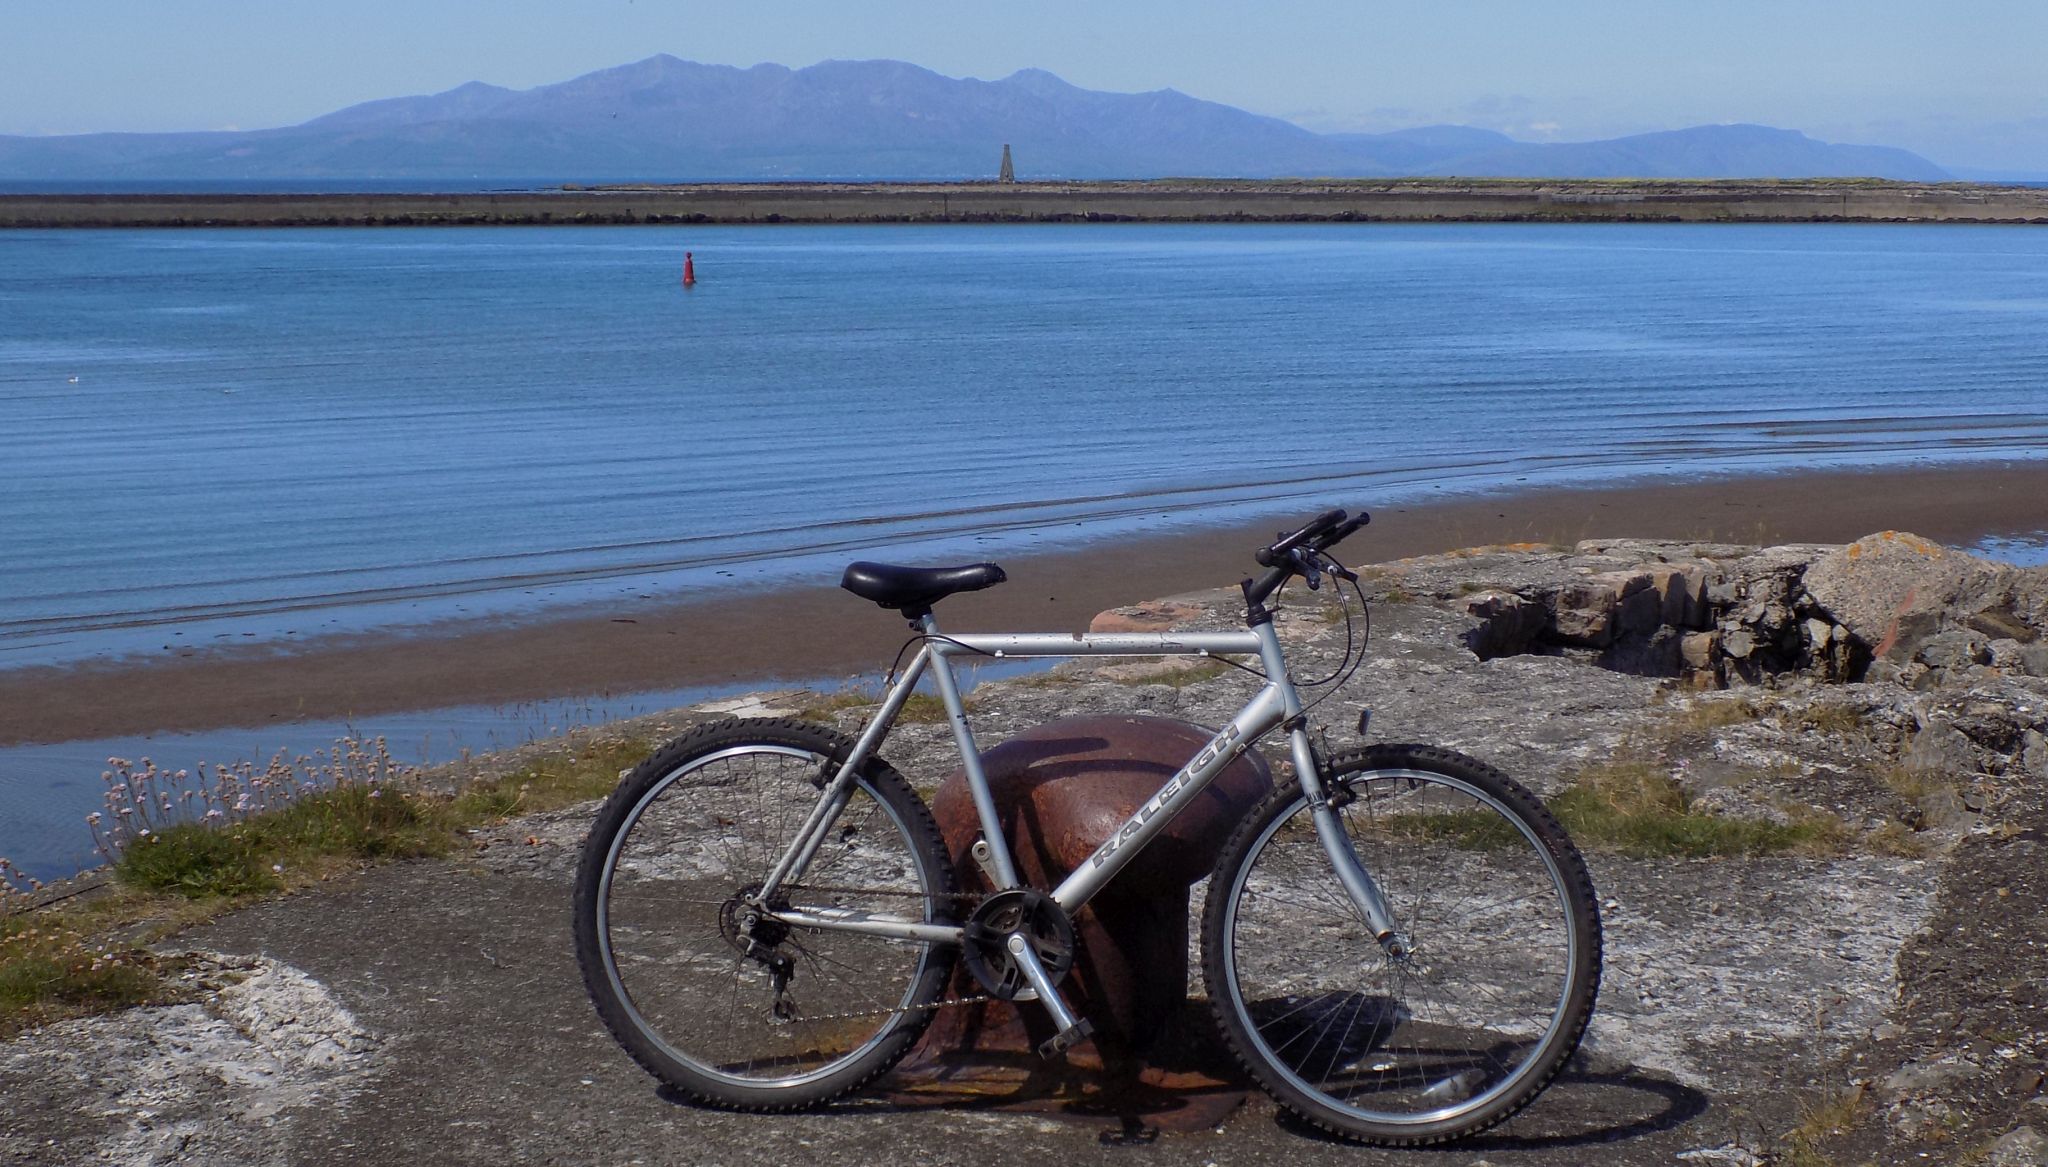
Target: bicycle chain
(934, 1006)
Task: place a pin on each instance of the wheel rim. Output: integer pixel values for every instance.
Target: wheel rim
(1468, 1019)
(701, 834)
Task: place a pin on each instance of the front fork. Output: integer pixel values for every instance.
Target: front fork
(1323, 803)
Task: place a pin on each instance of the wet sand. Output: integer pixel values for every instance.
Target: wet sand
(816, 630)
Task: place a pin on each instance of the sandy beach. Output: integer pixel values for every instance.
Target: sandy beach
(815, 630)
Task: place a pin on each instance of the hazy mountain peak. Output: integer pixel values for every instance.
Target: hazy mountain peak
(465, 100)
(667, 119)
(1038, 81)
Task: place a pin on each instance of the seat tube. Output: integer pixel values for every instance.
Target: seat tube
(970, 758)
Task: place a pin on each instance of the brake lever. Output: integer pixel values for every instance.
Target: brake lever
(1305, 563)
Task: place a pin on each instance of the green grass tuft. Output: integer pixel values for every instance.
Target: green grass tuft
(47, 971)
(199, 863)
(918, 708)
(1638, 809)
(1467, 830)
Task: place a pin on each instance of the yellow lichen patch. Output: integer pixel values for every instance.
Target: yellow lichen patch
(1910, 542)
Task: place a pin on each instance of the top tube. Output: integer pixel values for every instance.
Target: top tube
(1040, 644)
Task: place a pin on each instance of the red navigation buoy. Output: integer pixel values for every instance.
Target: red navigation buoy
(689, 270)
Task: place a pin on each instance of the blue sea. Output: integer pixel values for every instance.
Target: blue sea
(263, 436)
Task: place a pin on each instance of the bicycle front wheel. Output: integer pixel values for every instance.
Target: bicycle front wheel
(704, 987)
(1449, 1037)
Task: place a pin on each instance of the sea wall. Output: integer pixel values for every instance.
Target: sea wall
(1164, 201)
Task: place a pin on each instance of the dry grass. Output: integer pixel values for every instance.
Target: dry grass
(1936, 798)
(918, 708)
(1820, 1121)
(1703, 716)
(1636, 807)
(1832, 717)
(51, 969)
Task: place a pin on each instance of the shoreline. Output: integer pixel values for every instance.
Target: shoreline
(814, 630)
(1157, 201)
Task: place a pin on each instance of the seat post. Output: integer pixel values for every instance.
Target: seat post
(970, 757)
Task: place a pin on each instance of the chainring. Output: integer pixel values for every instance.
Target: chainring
(987, 932)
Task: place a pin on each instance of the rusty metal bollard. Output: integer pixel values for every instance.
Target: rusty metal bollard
(1061, 789)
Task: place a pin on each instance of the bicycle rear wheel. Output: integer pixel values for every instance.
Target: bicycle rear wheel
(1475, 1019)
(761, 1015)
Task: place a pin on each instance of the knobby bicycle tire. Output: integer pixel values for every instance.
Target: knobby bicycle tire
(1468, 1027)
(658, 903)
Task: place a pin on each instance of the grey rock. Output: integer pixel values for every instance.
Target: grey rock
(1508, 622)
(1955, 649)
(2022, 1146)
(1725, 1155)
(1584, 612)
(1892, 590)
(2033, 756)
(1738, 641)
(1938, 749)
(2002, 624)
(1658, 654)
(1698, 649)
(1915, 1079)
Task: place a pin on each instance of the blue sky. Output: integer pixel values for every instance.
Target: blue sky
(1964, 84)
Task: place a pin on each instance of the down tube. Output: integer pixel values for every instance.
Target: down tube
(1252, 722)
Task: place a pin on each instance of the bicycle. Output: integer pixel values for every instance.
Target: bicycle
(1400, 944)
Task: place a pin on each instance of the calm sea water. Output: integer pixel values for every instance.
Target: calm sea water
(276, 433)
(259, 436)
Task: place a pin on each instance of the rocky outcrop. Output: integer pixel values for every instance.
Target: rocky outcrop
(1891, 606)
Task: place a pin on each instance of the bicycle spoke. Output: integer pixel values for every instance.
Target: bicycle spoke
(1379, 1045)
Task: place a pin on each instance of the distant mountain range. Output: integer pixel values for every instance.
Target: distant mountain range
(664, 119)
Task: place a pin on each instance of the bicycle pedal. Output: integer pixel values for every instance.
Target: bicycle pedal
(1066, 1039)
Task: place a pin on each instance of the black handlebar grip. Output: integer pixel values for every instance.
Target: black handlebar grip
(1277, 553)
(1344, 532)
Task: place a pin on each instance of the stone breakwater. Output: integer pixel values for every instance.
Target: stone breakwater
(1181, 201)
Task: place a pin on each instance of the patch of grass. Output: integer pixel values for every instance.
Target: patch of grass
(48, 971)
(1706, 715)
(1396, 595)
(918, 708)
(590, 770)
(1637, 808)
(55, 963)
(1467, 830)
(1820, 1121)
(321, 831)
(1933, 795)
(1832, 717)
(199, 862)
(1895, 839)
(310, 835)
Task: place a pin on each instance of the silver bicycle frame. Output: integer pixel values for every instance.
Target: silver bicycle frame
(1276, 704)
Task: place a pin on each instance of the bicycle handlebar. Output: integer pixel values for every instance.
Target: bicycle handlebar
(1321, 533)
(1285, 557)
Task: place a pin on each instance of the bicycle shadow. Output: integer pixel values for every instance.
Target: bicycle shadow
(1579, 1108)
(1194, 1084)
